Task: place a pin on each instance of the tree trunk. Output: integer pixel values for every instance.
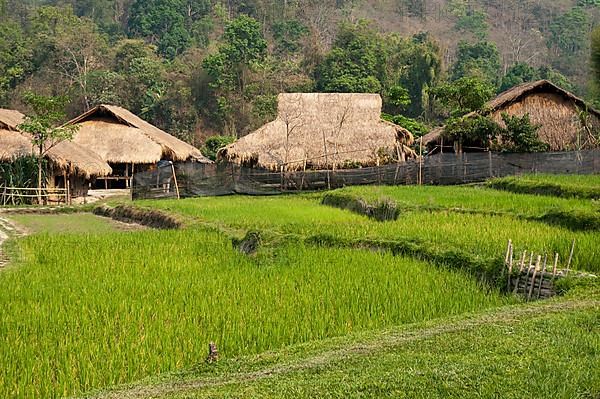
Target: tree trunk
(40, 178)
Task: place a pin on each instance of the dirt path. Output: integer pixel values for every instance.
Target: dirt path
(7, 230)
(384, 341)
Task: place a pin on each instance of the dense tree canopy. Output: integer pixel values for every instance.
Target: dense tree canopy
(203, 67)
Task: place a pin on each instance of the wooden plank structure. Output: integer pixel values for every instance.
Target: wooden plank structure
(534, 279)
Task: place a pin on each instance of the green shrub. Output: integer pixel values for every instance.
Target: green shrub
(213, 144)
(519, 135)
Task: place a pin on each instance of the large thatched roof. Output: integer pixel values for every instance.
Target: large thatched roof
(322, 130)
(517, 93)
(119, 136)
(547, 104)
(65, 155)
(13, 145)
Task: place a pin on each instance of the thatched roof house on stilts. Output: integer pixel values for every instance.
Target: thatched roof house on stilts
(323, 131)
(567, 122)
(69, 165)
(128, 143)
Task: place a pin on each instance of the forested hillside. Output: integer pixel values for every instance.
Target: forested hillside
(204, 67)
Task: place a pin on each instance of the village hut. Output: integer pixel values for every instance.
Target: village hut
(128, 143)
(566, 121)
(322, 131)
(70, 166)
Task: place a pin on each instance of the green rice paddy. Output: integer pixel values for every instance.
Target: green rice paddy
(85, 307)
(86, 312)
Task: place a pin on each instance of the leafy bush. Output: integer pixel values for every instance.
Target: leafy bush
(214, 144)
(416, 127)
(519, 135)
(464, 95)
(473, 131)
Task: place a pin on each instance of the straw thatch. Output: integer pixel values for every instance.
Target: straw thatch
(556, 110)
(65, 156)
(13, 145)
(10, 119)
(322, 131)
(119, 136)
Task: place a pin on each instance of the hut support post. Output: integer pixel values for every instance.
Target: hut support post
(68, 194)
(132, 175)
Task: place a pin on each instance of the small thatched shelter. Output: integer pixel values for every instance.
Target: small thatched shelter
(567, 122)
(318, 131)
(128, 143)
(67, 161)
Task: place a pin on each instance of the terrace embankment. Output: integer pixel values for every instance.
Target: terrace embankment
(145, 217)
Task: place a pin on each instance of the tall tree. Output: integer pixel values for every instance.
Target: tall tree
(244, 48)
(169, 24)
(596, 57)
(356, 63)
(72, 45)
(480, 60)
(42, 125)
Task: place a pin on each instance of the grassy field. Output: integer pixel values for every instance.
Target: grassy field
(480, 234)
(76, 223)
(475, 198)
(547, 350)
(87, 311)
(568, 186)
(87, 306)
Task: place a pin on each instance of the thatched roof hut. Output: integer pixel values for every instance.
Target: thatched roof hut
(120, 137)
(317, 130)
(65, 156)
(558, 111)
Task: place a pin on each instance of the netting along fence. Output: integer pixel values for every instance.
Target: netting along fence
(193, 179)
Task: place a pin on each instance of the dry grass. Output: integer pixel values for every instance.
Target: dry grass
(120, 136)
(322, 130)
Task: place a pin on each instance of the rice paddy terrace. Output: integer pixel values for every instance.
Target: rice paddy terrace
(326, 303)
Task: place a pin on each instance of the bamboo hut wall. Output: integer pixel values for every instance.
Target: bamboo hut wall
(558, 117)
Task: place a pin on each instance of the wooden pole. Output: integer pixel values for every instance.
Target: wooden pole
(507, 252)
(528, 274)
(132, 176)
(570, 258)
(522, 266)
(542, 276)
(175, 180)
(555, 266)
(303, 172)
(537, 265)
(68, 193)
(510, 265)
